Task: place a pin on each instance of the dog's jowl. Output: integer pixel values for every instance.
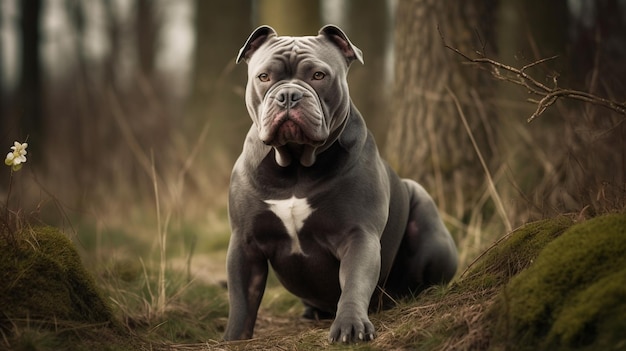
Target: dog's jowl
(310, 195)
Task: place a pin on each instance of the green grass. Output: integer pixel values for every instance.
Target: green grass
(195, 310)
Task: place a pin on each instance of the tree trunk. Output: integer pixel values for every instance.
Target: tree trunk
(221, 28)
(426, 139)
(114, 33)
(369, 83)
(303, 17)
(3, 117)
(146, 36)
(30, 86)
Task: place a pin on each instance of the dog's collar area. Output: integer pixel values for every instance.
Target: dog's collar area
(306, 155)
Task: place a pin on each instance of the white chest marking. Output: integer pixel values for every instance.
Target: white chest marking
(292, 212)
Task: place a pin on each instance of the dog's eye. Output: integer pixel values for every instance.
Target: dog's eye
(318, 75)
(264, 77)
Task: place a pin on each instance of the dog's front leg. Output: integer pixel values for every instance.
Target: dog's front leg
(247, 275)
(358, 275)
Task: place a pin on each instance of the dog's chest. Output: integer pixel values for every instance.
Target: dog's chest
(292, 212)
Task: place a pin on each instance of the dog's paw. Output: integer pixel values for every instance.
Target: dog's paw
(348, 328)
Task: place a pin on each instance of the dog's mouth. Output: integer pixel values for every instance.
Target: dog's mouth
(286, 128)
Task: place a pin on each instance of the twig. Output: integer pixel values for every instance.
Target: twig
(549, 95)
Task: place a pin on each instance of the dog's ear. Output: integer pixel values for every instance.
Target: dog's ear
(340, 39)
(256, 39)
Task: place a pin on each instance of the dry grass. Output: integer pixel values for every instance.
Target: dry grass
(441, 318)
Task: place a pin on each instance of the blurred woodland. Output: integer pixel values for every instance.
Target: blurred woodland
(111, 94)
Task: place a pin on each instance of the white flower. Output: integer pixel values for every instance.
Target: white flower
(17, 157)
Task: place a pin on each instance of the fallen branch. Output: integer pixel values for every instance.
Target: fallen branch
(549, 95)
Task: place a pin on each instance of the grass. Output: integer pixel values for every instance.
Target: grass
(462, 316)
(162, 295)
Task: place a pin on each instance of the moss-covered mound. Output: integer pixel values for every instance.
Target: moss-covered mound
(573, 296)
(48, 301)
(512, 254)
(43, 278)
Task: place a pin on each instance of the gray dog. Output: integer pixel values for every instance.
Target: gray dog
(311, 196)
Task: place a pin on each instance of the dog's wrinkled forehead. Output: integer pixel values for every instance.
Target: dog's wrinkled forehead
(291, 51)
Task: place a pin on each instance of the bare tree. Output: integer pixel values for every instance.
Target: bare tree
(3, 118)
(302, 18)
(217, 86)
(426, 139)
(113, 28)
(146, 35)
(369, 83)
(30, 84)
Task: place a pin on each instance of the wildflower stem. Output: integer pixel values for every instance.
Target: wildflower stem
(7, 220)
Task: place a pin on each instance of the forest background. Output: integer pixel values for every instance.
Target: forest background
(134, 115)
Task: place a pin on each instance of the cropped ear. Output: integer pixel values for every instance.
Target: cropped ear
(256, 39)
(340, 39)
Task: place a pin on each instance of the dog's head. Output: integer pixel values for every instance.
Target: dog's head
(297, 93)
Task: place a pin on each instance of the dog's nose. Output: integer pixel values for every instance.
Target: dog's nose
(288, 97)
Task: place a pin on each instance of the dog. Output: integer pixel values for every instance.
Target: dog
(311, 196)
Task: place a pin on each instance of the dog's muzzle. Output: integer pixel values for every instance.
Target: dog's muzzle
(292, 113)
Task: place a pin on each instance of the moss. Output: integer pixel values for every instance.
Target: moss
(48, 301)
(595, 315)
(573, 296)
(512, 254)
(43, 278)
